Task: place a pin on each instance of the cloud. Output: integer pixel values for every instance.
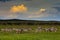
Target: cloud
(48, 13)
(42, 10)
(44, 13)
(57, 8)
(39, 13)
(19, 8)
(5, 0)
(12, 16)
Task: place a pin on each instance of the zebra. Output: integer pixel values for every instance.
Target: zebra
(17, 30)
(39, 29)
(6, 30)
(53, 29)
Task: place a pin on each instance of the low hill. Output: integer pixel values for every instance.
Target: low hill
(18, 21)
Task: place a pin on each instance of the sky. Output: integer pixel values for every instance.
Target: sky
(30, 9)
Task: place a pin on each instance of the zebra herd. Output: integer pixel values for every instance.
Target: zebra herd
(51, 29)
(22, 30)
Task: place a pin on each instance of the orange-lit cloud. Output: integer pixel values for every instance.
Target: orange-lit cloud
(42, 10)
(19, 8)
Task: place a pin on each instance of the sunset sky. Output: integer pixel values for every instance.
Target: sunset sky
(30, 9)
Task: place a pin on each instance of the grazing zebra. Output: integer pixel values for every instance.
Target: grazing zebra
(53, 29)
(25, 30)
(30, 29)
(6, 30)
(18, 30)
(39, 29)
(47, 29)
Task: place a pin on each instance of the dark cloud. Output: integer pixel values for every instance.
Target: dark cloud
(58, 8)
(57, 3)
(14, 0)
(5, 0)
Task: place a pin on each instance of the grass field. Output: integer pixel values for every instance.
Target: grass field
(30, 36)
